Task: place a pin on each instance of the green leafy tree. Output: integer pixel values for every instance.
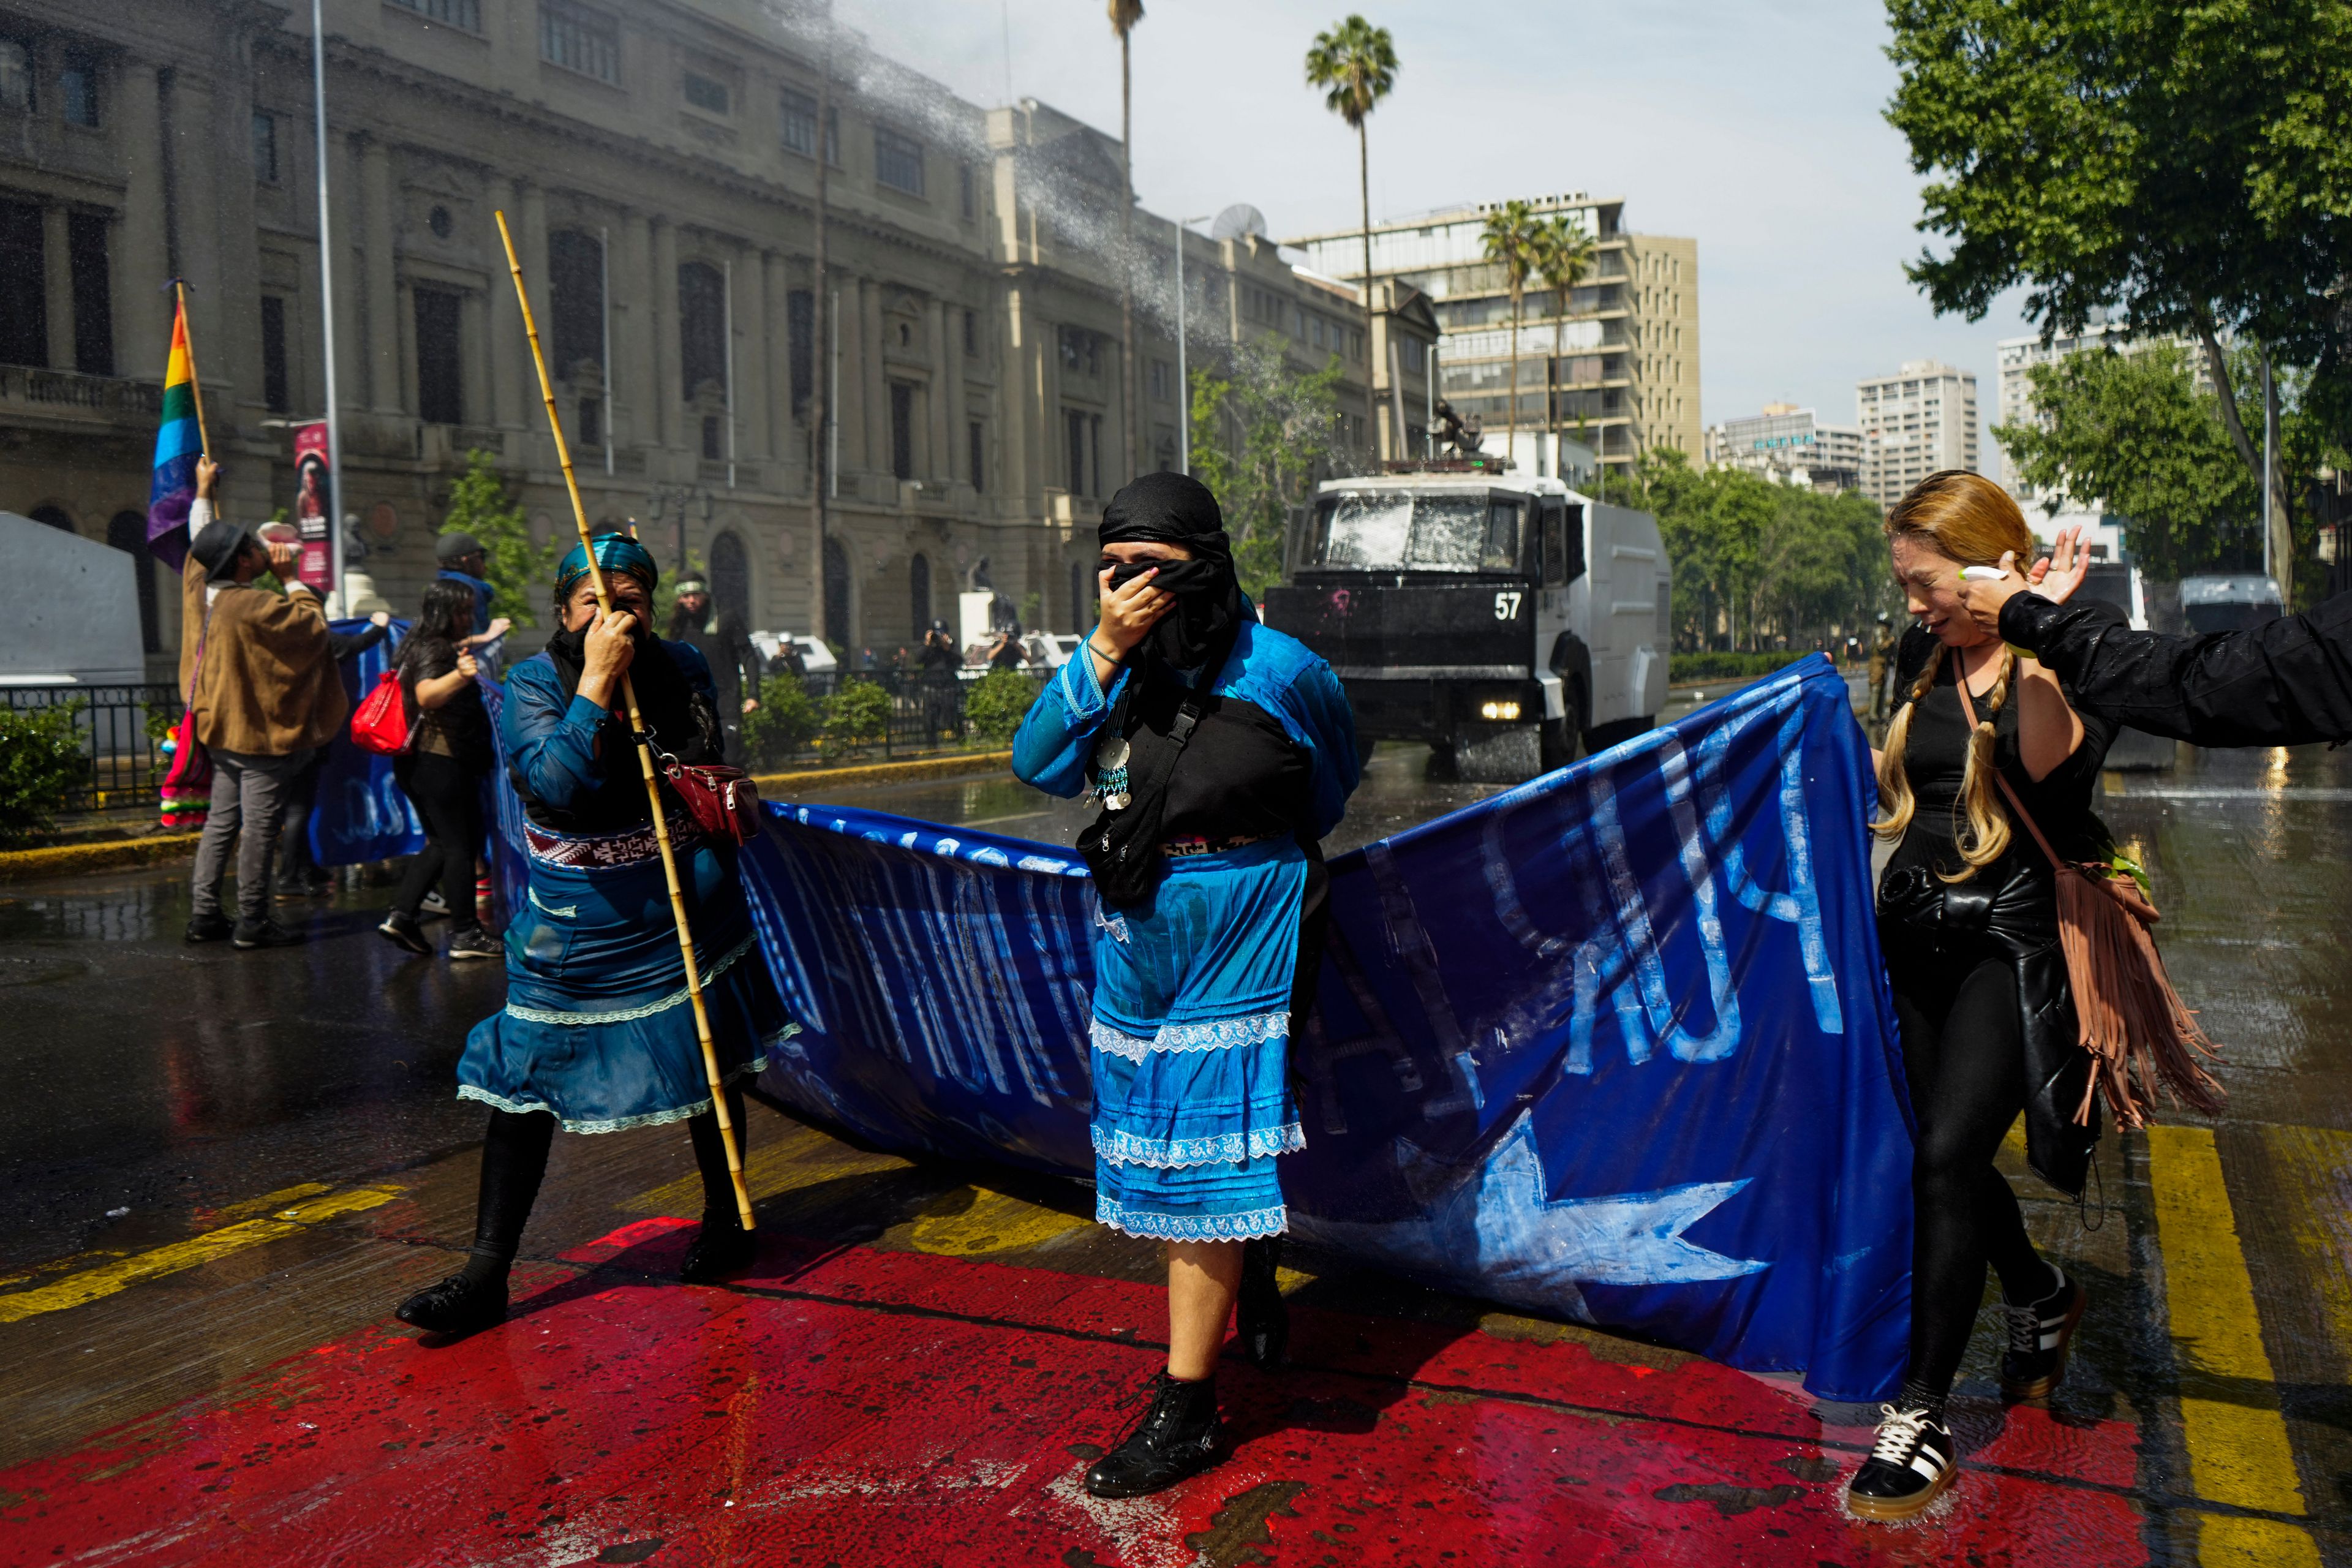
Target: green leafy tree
(2138, 432)
(1564, 259)
(1355, 64)
(1513, 241)
(2183, 166)
(997, 702)
(41, 760)
(521, 575)
(784, 721)
(1263, 433)
(856, 715)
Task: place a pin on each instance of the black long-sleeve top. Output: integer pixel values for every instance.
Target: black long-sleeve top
(2284, 683)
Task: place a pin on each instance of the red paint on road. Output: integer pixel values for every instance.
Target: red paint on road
(882, 1408)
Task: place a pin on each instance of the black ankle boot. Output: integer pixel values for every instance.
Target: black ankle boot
(1180, 1436)
(720, 1248)
(1261, 1316)
(457, 1306)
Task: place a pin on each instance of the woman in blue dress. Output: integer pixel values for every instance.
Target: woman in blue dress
(598, 1033)
(1222, 752)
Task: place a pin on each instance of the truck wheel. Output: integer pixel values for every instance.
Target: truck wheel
(1561, 735)
(1601, 737)
(1364, 744)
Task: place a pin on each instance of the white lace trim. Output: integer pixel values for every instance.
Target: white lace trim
(1120, 1148)
(1215, 1034)
(1246, 1226)
(630, 1015)
(757, 1063)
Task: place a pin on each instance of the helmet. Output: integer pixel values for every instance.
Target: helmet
(1884, 619)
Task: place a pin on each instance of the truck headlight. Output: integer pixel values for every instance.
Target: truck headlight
(1504, 710)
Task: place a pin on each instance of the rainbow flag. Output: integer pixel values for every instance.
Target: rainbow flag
(176, 446)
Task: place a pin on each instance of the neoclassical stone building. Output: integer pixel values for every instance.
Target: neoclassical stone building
(657, 163)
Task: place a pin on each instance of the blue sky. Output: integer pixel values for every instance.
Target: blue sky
(1755, 125)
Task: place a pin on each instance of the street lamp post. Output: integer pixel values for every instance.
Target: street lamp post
(326, 313)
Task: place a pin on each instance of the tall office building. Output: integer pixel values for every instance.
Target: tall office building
(2017, 358)
(1789, 445)
(1921, 419)
(1614, 366)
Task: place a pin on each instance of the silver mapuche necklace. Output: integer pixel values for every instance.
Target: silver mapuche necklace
(1110, 773)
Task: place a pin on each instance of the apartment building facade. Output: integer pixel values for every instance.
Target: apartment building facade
(1789, 445)
(1913, 423)
(1615, 365)
(657, 163)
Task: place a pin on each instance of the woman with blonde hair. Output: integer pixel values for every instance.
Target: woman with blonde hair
(1968, 916)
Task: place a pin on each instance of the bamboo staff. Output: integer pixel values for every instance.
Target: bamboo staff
(195, 382)
(645, 752)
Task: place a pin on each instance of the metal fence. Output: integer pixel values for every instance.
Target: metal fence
(924, 716)
(122, 729)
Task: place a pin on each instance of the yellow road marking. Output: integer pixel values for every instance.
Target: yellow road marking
(79, 1290)
(2316, 1163)
(974, 1220)
(784, 1165)
(2237, 1440)
(229, 1214)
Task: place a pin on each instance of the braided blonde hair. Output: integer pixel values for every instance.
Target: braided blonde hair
(1966, 518)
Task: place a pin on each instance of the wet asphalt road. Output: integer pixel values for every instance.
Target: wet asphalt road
(181, 1084)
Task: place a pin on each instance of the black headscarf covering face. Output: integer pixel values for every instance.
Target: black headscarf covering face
(1176, 509)
(682, 723)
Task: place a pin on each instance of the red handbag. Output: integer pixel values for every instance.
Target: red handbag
(723, 800)
(380, 723)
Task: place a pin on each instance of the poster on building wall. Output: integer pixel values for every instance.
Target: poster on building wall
(313, 502)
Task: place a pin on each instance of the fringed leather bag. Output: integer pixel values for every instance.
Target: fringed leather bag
(2139, 1033)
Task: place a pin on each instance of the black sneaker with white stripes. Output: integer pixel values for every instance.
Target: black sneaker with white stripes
(1908, 1467)
(2035, 1361)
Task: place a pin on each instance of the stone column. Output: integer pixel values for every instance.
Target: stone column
(939, 464)
(955, 462)
(354, 373)
(849, 354)
(56, 279)
(776, 354)
(662, 293)
(143, 312)
(233, 234)
(1019, 407)
(514, 387)
(379, 347)
(630, 269)
(875, 381)
(477, 362)
(750, 307)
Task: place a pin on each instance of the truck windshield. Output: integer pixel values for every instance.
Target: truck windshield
(1384, 531)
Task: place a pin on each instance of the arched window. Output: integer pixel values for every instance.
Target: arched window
(127, 531)
(701, 327)
(730, 579)
(576, 310)
(837, 593)
(53, 516)
(918, 592)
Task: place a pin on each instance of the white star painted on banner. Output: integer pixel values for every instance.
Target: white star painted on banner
(1502, 1233)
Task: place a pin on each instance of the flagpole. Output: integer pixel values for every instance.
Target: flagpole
(195, 382)
(644, 753)
(327, 315)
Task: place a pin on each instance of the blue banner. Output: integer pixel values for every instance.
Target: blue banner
(1616, 1045)
(362, 814)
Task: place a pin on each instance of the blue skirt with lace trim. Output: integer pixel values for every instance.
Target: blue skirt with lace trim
(598, 1028)
(1191, 1036)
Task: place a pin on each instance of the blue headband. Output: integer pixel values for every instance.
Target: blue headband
(614, 553)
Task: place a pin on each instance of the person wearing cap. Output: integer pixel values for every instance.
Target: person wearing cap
(727, 647)
(1222, 752)
(598, 1031)
(260, 673)
(462, 559)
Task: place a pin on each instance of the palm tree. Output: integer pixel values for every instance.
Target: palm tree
(1512, 239)
(1564, 254)
(1355, 63)
(1124, 16)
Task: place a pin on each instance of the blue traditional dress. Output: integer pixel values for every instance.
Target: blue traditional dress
(598, 1027)
(1193, 996)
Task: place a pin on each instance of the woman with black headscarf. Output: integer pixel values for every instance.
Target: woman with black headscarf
(597, 1033)
(1222, 751)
